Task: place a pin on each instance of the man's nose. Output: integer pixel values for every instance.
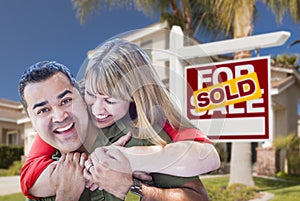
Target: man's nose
(59, 114)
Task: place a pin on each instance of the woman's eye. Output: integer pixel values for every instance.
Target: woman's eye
(110, 102)
(89, 93)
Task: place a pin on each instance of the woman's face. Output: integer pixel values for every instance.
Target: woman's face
(105, 110)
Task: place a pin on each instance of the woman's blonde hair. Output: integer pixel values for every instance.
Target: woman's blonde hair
(122, 70)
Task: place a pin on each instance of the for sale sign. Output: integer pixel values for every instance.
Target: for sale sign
(230, 101)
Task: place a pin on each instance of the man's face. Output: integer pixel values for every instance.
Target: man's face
(57, 112)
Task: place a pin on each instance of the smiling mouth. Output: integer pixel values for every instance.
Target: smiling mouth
(102, 117)
(66, 128)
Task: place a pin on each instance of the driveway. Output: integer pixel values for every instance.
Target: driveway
(9, 185)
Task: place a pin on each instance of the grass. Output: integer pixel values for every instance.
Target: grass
(13, 197)
(282, 189)
(4, 172)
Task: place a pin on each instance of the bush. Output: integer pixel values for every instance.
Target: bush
(286, 176)
(291, 144)
(9, 154)
(15, 168)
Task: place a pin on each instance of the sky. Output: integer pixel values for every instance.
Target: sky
(36, 30)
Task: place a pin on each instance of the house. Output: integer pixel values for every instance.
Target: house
(15, 126)
(12, 125)
(285, 88)
(285, 94)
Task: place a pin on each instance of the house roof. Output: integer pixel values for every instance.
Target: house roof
(11, 111)
(285, 68)
(10, 104)
(140, 33)
(280, 85)
(290, 77)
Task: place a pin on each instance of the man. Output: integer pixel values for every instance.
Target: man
(59, 114)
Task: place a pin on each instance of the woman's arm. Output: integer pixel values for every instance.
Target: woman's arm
(184, 158)
(192, 154)
(37, 160)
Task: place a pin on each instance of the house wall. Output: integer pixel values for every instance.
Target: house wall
(285, 119)
(9, 127)
(286, 114)
(29, 137)
(158, 40)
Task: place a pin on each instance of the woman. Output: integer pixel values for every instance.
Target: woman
(124, 93)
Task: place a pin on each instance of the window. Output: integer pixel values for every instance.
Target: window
(12, 138)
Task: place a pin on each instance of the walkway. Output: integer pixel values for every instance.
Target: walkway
(9, 185)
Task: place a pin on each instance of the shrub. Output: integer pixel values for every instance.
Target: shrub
(15, 168)
(291, 144)
(9, 154)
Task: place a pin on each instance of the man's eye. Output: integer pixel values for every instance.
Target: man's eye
(43, 110)
(66, 101)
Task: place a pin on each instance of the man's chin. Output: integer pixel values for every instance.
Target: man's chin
(71, 148)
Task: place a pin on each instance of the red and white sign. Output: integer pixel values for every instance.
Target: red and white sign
(230, 101)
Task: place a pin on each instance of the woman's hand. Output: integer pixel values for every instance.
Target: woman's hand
(122, 140)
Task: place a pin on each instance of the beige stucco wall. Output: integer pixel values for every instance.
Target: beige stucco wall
(10, 126)
(286, 113)
(29, 136)
(159, 41)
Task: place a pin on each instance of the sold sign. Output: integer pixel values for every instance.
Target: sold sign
(233, 91)
(230, 101)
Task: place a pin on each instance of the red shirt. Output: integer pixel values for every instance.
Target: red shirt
(38, 158)
(40, 154)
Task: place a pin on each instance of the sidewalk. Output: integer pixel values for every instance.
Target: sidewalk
(9, 185)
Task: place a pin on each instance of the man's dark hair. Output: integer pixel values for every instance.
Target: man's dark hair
(42, 71)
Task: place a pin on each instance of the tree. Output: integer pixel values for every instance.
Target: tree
(228, 17)
(286, 59)
(190, 15)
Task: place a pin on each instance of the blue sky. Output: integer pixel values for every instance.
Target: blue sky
(35, 30)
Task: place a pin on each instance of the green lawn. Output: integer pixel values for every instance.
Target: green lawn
(283, 190)
(3, 172)
(13, 197)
